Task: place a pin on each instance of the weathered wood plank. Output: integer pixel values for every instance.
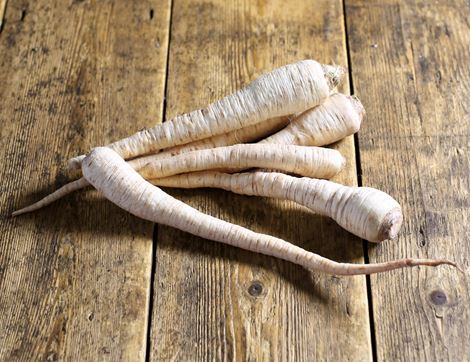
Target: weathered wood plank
(216, 302)
(410, 65)
(74, 278)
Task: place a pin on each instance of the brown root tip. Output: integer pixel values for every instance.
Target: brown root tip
(25, 210)
(75, 164)
(391, 225)
(357, 105)
(19, 212)
(433, 262)
(333, 74)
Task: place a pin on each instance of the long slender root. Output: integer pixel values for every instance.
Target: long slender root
(122, 185)
(56, 195)
(366, 212)
(286, 90)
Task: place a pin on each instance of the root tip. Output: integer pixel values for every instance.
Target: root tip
(391, 225)
(18, 212)
(358, 106)
(434, 263)
(75, 164)
(455, 265)
(333, 74)
(451, 263)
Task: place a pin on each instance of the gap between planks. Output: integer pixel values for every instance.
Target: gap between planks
(357, 153)
(153, 264)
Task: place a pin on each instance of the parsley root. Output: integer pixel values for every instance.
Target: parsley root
(336, 118)
(121, 184)
(306, 161)
(286, 90)
(243, 135)
(366, 212)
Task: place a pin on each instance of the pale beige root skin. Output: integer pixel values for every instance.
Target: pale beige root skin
(122, 185)
(243, 135)
(306, 161)
(286, 90)
(56, 195)
(366, 212)
(336, 118)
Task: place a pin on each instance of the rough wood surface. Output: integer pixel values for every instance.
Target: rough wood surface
(409, 64)
(74, 278)
(214, 302)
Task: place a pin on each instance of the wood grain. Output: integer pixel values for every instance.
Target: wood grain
(214, 302)
(409, 64)
(74, 277)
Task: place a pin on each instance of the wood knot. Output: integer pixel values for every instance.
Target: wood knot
(255, 289)
(438, 297)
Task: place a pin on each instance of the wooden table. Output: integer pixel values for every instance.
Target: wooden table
(83, 280)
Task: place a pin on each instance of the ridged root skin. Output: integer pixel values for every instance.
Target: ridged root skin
(337, 117)
(120, 184)
(243, 135)
(366, 212)
(307, 161)
(56, 195)
(286, 90)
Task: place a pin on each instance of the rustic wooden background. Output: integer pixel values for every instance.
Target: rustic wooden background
(83, 280)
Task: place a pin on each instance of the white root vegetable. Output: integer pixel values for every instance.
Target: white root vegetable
(243, 135)
(336, 118)
(286, 90)
(366, 212)
(306, 161)
(122, 185)
(56, 195)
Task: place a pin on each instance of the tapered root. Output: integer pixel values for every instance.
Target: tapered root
(286, 90)
(333, 74)
(56, 195)
(122, 185)
(75, 164)
(367, 269)
(306, 161)
(335, 118)
(366, 212)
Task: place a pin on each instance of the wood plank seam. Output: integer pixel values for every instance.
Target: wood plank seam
(155, 226)
(357, 152)
(203, 307)
(75, 276)
(412, 146)
(151, 291)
